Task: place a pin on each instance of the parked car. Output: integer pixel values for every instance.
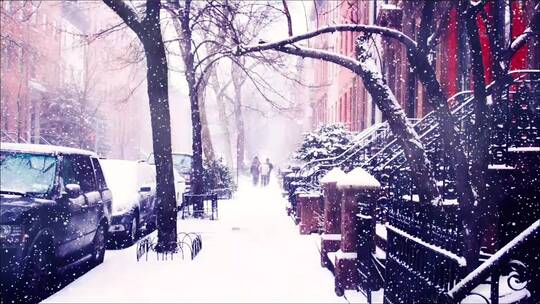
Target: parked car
(133, 186)
(179, 186)
(182, 163)
(55, 210)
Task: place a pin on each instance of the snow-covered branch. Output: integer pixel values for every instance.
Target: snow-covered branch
(368, 29)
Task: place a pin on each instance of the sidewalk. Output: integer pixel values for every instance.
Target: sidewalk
(253, 253)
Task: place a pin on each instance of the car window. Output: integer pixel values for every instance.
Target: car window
(100, 179)
(77, 169)
(27, 173)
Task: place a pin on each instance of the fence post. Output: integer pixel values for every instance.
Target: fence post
(357, 183)
(308, 205)
(331, 237)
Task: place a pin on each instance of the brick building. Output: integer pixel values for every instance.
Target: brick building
(340, 96)
(30, 57)
(43, 50)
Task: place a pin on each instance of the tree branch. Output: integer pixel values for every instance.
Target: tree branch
(288, 16)
(127, 14)
(532, 30)
(373, 29)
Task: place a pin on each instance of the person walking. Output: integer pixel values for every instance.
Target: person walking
(255, 170)
(266, 169)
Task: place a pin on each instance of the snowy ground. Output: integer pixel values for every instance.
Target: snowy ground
(253, 253)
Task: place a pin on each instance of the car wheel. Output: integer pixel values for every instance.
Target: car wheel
(133, 230)
(99, 245)
(39, 270)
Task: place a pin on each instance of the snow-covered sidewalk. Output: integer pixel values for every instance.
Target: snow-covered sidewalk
(253, 253)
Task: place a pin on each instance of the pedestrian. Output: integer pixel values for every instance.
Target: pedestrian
(266, 169)
(255, 170)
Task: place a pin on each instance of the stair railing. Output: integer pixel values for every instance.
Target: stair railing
(489, 268)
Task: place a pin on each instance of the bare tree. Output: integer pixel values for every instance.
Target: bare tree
(148, 30)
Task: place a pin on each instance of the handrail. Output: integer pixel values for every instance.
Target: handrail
(457, 109)
(368, 132)
(467, 284)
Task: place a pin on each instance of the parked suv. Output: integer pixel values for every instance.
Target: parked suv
(55, 209)
(182, 163)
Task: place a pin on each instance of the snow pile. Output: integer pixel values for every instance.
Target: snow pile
(332, 176)
(340, 255)
(331, 237)
(310, 195)
(358, 179)
(122, 179)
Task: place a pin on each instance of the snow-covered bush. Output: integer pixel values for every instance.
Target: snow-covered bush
(328, 141)
(217, 175)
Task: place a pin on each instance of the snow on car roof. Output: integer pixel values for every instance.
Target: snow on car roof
(43, 149)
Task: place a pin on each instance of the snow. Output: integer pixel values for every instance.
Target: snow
(364, 217)
(122, 177)
(501, 167)
(310, 195)
(340, 255)
(380, 230)
(460, 260)
(524, 149)
(331, 237)
(506, 294)
(497, 257)
(44, 149)
(358, 178)
(415, 197)
(332, 176)
(388, 6)
(253, 253)
(379, 253)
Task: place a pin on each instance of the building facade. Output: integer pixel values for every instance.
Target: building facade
(51, 46)
(340, 96)
(30, 64)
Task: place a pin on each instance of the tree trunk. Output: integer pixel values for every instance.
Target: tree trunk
(208, 147)
(239, 118)
(149, 33)
(402, 129)
(157, 77)
(219, 93)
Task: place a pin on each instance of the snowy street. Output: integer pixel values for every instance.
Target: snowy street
(253, 253)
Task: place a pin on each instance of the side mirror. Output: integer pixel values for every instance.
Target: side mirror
(73, 190)
(145, 189)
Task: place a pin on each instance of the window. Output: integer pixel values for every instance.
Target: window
(99, 174)
(77, 169)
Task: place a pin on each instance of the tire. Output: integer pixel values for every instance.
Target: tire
(98, 245)
(39, 271)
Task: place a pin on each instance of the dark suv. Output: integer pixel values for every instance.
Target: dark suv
(55, 210)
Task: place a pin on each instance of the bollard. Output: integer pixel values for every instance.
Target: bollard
(331, 237)
(355, 185)
(309, 206)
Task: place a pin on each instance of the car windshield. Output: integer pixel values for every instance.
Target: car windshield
(27, 173)
(181, 162)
